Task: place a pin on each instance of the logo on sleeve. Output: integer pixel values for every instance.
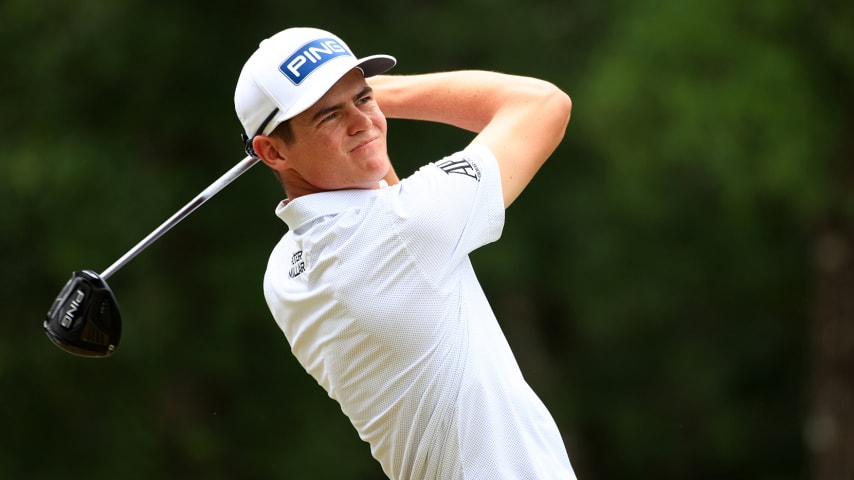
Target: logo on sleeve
(460, 167)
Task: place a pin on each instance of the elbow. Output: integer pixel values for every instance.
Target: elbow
(567, 103)
(559, 107)
(563, 106)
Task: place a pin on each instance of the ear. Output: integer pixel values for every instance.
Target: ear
(270, 150)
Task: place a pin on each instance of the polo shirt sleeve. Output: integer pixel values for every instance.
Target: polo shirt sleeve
(449, 208)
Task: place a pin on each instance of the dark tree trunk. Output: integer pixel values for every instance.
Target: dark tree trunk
(830, 425)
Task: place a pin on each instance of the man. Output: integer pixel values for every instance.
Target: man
(372, 283)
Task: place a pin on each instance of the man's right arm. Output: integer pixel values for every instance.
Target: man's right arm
(520, 119)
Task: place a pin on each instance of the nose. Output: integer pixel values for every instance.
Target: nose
(359, 120)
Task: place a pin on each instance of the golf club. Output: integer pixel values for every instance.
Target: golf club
(84, 319)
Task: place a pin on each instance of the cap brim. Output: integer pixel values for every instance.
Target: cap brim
(376, 64)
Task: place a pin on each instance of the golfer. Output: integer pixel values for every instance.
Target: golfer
(372, 283)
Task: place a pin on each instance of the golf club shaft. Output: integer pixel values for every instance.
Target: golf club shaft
(201, 198)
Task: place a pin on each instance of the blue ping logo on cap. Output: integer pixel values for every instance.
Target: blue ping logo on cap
(310, 56)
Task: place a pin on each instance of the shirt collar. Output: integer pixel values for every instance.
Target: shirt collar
(296, 213)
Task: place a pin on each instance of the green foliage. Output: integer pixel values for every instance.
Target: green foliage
(653, 280)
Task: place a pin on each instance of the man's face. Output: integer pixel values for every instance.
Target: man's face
(340, 142)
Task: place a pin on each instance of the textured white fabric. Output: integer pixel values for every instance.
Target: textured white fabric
(379, 302)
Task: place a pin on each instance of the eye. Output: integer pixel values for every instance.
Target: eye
(329, 117)
(364, 100)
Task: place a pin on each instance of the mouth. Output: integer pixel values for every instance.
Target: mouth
(363, 145)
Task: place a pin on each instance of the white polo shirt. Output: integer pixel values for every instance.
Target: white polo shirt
(379, 302)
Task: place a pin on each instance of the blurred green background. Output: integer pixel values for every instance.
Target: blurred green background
(677, 282)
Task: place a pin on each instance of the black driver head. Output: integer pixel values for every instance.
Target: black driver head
(84, 319)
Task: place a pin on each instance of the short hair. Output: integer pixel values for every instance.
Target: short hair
(284, 132)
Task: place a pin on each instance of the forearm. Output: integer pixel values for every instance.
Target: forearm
(520, 119)
(466, 99)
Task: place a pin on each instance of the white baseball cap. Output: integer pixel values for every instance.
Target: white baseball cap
(289, 72)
